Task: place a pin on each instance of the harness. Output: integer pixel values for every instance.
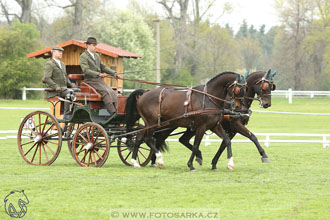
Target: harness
(188, 110)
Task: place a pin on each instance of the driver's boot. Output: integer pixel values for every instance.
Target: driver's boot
(111, 109)
(67, 112)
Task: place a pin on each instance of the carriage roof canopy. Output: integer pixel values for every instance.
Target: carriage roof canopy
(110, 56)
(101, 48)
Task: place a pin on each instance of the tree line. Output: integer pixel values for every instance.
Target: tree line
(194, 47)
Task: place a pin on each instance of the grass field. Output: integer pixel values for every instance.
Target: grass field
(294, 186)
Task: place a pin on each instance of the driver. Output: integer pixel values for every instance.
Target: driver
(94, 71)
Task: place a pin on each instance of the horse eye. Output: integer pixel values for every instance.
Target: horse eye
(264, 86)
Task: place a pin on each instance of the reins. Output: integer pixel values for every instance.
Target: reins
(172, 86)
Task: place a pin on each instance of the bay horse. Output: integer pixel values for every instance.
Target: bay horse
(173, 106)
(258, 83)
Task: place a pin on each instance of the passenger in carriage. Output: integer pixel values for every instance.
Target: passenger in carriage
(94, 71)
(55, 77)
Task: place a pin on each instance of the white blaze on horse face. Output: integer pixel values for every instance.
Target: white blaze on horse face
(135, 164)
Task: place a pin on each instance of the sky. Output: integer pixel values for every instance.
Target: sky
(255, 12)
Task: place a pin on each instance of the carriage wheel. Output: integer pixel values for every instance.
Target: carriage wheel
(91, 145)
(125, 151)
(39, 138)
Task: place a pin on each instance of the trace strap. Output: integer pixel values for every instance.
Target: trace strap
(167, 122)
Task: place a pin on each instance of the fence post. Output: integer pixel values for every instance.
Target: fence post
(267, 141)
(325, 144)
(24, 93)
(207, 140)
(290, 95)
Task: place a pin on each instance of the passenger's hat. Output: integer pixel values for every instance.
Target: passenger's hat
(91, 40)
(58, 48)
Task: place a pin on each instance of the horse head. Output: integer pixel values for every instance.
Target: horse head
(230, 86)
(236, 92)
(262, 84)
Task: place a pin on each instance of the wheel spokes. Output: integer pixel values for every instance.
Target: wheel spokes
(142, 154)
(49, 149)
(43, 147)
(30, 149)
(35, 153)
(98, 154)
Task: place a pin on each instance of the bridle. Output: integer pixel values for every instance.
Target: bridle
(236, 91)
(265, 84)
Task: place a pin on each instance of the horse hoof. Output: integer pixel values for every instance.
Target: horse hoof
(153, 165)
(230, 167)
(192, 169)
(137, 166)
(265, 160)
(214, 169)
(199, 161)
(160, 165)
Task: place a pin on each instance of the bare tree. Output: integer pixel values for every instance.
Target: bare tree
(297, 16)
(77, 17)
(25, 14)
(179, 23)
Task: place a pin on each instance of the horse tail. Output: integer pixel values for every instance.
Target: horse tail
(131, 112)
(162, 147)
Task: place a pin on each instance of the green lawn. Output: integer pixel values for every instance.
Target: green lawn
(294, 186)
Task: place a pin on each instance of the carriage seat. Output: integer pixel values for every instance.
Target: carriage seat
(87, 91)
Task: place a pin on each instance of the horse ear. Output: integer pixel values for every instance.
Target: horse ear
(274, 73)
(240, 78)
(268, 74)
(246, 74)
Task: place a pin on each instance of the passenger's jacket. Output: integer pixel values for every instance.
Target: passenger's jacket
(56, 77)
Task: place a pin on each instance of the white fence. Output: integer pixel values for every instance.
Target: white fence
(290, 93)
(287, 93)
(320, 138)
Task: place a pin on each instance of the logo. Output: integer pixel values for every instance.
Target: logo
(15, 204)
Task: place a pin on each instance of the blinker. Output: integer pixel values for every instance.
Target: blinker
(264, 86)
(237, 90)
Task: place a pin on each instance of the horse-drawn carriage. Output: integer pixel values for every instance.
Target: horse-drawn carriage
(90, 133)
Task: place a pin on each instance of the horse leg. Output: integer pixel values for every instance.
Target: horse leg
(150, 142)
(240, 128)
(185, 138)
(153, 160)
(218, 130)
(198, 138)
(138, 141)
(160, 139)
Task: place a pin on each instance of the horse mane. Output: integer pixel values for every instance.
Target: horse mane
(218, 75)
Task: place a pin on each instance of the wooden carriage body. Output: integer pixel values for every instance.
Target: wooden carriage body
(91, 131)
(110, 56)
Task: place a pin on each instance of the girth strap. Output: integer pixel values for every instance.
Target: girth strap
(159, 105)
(187, 103)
